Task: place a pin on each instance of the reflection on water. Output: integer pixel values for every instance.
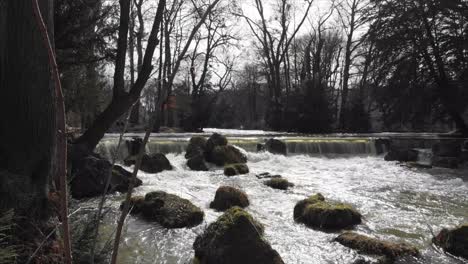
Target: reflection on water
(398, 204)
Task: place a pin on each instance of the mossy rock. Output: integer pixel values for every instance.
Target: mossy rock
(195, 147)
(197, 163)
(169, 210)
(276, 146)
(235, 237)
(136, 204)
(153, 163)
(316, 212)
(227, 197)
(301, 205)
(373, 246)
(279, 183)
(212, 142)
(454, 241)
(222, 155)
(90, 173)
(236, 169)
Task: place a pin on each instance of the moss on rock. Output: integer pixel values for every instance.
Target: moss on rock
(227, 197)
(195, 147)
(373, 246)
(279, 183)
(236, 169)
(222, 155)
(235, 237)
(316, 212)
(169, 210)
(197, 163)
(454, 241)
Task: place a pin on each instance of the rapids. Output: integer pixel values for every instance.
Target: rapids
(398, 203)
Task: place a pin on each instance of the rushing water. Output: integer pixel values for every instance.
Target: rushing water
(398, 203)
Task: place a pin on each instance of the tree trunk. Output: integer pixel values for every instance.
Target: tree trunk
(27, 101)
(122, 100)
(27, 127)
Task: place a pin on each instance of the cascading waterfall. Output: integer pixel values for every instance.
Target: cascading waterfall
(295, 145)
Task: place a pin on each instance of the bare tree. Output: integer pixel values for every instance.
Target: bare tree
(275, 44)
(121, 99)
(353, 17)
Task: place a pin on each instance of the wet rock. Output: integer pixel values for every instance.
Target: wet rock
(222, 155)
(279, 183)
(276, 146)
(227, 197)
(153, 163)
(447, 148)
(195, 147)
(260, 147)
(316, 212)
(235, 237)
(445, 162)
(236, 169)
(396, 154)
(134, 146)
(373, 246)
(215, 140)
(197, 163)
(136, 204)
(267, 175)
(169, 210)
(454, 241)
(89, 176)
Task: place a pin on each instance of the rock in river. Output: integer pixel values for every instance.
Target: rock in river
(227, 197)
(373, 246)
(169, 210)
(234, 238)
(316, 212)
(454, 241)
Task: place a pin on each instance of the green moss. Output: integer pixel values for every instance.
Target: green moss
(316, 212)
(374, 246)
(316, 198)
(234, 216)
(7, 252)
(279, 183)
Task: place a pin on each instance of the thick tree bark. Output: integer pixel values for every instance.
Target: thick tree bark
(27, 101)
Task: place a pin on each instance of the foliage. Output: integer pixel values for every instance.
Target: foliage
(7, 252)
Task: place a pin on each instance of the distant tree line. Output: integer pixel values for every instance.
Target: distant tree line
(358, 66)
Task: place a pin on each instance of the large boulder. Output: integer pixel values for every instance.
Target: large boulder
(373, 246)
(134, 145)
(397, 154)
(276, 146)
(236, 169)
(454, 241)
(215, 140)
(195, 147)
(169, 210)
(316, 212)
(279, 183)
(235, 237)
(197, 163)
(90, 173)
(222, 155)
(152, 163)
(227, 197)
